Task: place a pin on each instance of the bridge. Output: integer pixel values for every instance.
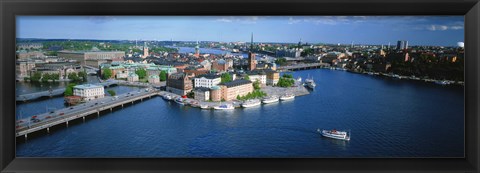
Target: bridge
(63, 116)
(91, 70)
(56, 92)
(302, 66)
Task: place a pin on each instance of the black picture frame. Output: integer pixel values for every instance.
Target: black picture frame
(10, 8)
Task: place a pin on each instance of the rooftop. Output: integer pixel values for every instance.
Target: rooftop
(236, 83)
(87, 86)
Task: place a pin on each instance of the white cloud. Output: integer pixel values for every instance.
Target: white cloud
(242, 19)
(443, 27)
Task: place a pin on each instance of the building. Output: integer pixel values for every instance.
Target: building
(216, 94)
(202, 93)
(197, 50)
(23, 69)
(132, 77)
(294, 53)
(179, 83)
(145, 50)
(154, 79)
(207, 80)
(258, 75)
(252, 61)
(220, 65)
(22, 54)
(230, 90)
(60, 68)
(29, 46)
(402, 44)
(82, 57)
(272, 77)
(88, 91)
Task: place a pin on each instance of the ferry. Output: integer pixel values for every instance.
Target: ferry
(224, 107)
(251, 103)
(271, 99)
(287, 97)
(179, 101)
(335, 134)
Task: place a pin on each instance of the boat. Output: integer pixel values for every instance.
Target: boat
(204, 107)
(442, 82)
(235, 51)
(251, 103)
(287, 97)
(299, 79)
(167, 97)
(179, 101)
(224, 107)
(335, 134)
(310, 83)
(270, 99)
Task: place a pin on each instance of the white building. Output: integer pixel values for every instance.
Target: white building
(207, 81)
(89, 92)
(262, 78)
(154, 79)
(132, 77)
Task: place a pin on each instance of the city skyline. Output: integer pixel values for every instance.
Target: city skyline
(373, 30)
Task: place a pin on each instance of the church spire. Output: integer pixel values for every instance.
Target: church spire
(251, 43)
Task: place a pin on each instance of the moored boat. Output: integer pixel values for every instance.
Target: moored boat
(167, 97)
(179, 101)
(335, 134)
(204, 106)
(224, 107)
(251, 103)
(270, 99)
(287, 97)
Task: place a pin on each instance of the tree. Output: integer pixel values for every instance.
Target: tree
(55, 77)
(163, 75)
(74, 77)
(112, 92)
(69, 89)
(36, 76)
(107, 73)
(83, 75)
(190, 94)
(141, 73)
(285, 81)
(256, 85)
(226, 78)
(281, 61)
(247, 77)
(46, 77)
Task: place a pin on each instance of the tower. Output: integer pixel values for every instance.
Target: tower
(197, 50)
(251, 57)
(145, 50)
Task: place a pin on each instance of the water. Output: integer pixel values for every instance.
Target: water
(387, 118)
(31, 87)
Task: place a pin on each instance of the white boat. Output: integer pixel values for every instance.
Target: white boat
(167, 97)
(310, 83)
(287, 97)
(442, 82)
(299, 79)
(224, 107)
(270, 99)
(335, 134)
(204, 107)
(251, 103)
(179, 101)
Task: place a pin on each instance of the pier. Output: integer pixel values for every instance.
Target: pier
(63, 116)
(302, 67)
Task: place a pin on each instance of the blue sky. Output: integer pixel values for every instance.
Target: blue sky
(418, 30)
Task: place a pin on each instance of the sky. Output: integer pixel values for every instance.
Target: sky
(417, 30)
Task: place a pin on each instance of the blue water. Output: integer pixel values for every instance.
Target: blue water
(387, 118)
